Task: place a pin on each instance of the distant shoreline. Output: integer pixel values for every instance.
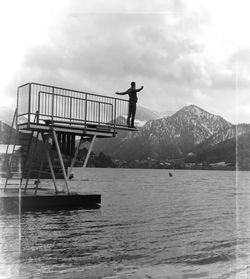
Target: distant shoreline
(173, 169)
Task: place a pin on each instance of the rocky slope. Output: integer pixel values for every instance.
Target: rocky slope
(169, 137)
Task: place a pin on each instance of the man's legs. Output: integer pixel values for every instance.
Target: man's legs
(133, 111)
(129, 114)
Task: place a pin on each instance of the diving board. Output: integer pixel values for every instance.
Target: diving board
(54, 117)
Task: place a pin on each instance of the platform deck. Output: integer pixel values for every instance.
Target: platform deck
(45, 199)
(88, 130)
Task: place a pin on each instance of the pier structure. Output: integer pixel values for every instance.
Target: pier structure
(61, 120)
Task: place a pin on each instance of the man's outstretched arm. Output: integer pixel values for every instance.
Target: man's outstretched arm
(121, 93)
(138, 90)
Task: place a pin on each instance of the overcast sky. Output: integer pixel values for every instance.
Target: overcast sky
(182, 51)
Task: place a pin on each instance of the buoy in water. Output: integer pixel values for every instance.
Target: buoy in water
(170, 174)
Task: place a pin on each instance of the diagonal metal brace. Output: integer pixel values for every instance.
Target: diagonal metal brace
(89, 151)
(61, 160)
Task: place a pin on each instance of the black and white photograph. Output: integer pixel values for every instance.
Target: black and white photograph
(124, 139)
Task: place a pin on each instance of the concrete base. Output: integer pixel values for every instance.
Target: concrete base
(11, 201)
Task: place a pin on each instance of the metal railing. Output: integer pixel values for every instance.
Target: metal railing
(68, 106)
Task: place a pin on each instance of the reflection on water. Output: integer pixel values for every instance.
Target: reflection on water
(9, 246)
(150, 225)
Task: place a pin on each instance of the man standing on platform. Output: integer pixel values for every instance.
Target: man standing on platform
(132, 103)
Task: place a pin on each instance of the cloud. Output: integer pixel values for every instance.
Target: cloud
(139, 45)
(168, 46)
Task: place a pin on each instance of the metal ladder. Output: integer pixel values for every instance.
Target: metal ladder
(27, 142)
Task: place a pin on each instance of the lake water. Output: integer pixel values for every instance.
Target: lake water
(194, 224)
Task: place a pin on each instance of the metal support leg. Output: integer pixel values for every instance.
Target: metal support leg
(61, 160)
(46, 149)
(89, 151)
(51, 169)
(75, 156)
(39, 174)
(30, 162)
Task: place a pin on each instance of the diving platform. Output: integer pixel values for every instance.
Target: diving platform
(41, 106)
(57, 121)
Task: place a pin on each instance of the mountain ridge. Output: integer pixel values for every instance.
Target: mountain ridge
(189, 130)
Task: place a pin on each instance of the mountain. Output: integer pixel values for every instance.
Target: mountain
(230, 151)
(199, 123)
(191, 134)
(7, 135)
(224, 151)
(6, 115)
(243, 151)
(165, 113)
(223, 135)
(170, 137)
(143, 115)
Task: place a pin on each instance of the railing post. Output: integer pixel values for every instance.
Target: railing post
(29, 104)
(39, 104)
(52, 111)
(114, 115)
(17, 104)
(86, 106)
(99, 113)
(70, 110)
